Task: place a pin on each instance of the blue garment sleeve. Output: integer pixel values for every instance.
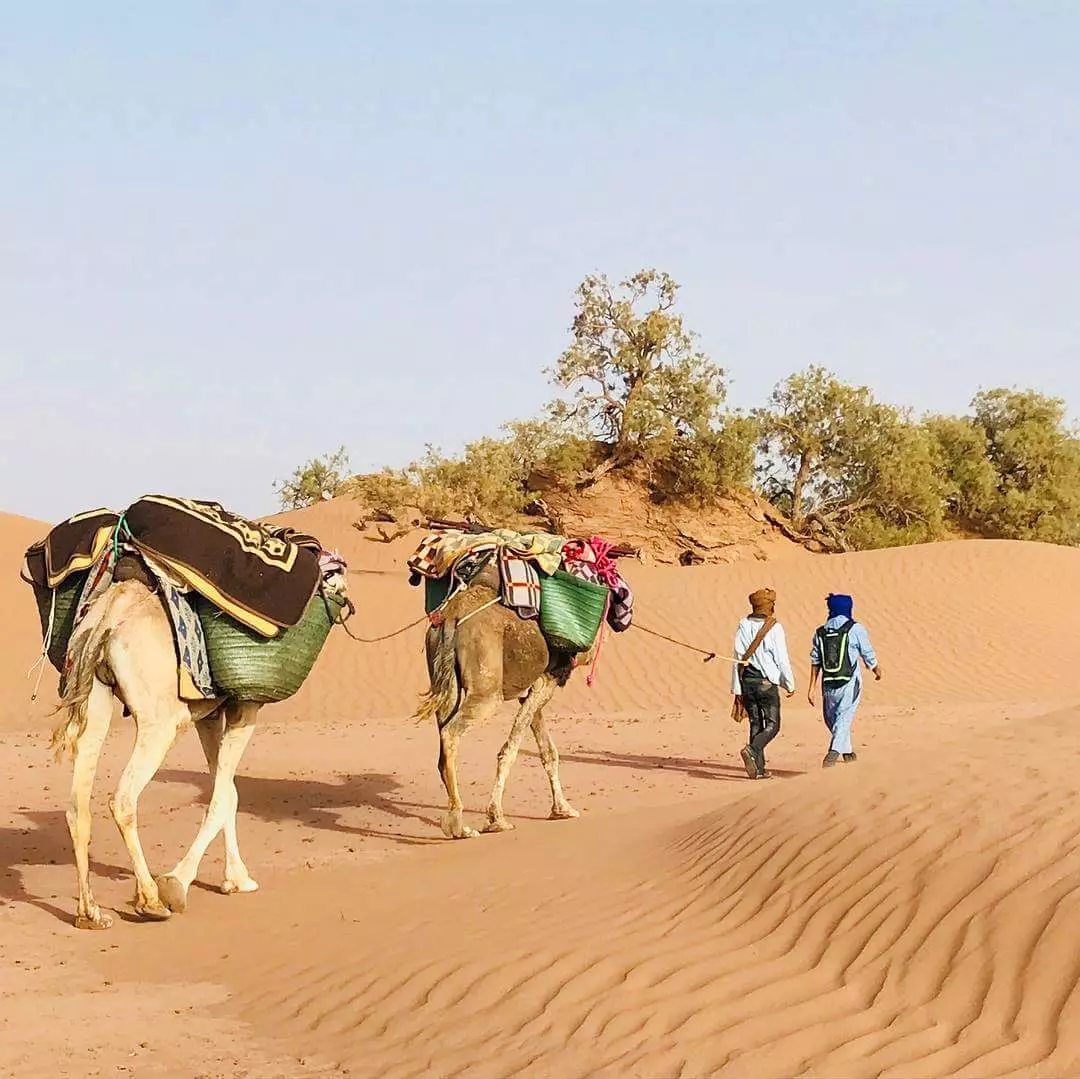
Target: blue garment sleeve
(861, 639)
(815, 652)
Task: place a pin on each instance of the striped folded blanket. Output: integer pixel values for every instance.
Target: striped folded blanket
(520, 584)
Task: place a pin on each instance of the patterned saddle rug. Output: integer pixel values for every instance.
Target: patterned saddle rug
(261, 575)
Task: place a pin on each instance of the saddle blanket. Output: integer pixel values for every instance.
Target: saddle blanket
(520, 559)
(261, 575)
(439, 551)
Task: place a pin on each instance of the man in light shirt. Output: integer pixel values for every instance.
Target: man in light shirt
(762, 671)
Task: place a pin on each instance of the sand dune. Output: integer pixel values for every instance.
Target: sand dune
(20, 629)
(909, 915)
(913, 917)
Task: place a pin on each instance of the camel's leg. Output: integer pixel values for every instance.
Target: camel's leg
(224, 744)
(237, 878)
(156, 731)
(476, 709)
(561, 809)
(538, 696)
(88, 914)
(210, 729)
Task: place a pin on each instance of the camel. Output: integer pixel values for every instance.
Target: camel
(124, 648)
(480, 655)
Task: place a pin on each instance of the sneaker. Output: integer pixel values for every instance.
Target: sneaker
(831, 758)
(765, 774)
(749, 763)
(849, 757)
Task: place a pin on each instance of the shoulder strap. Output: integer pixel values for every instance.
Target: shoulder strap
(766, 626)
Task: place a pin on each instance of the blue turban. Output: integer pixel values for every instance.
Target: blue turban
(839, 605)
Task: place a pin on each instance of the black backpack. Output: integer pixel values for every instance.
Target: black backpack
(837, 668)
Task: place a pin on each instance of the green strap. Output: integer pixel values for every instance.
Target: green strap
(120, 524)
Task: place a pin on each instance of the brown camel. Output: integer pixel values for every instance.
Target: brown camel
(482, 654)
(124, 648)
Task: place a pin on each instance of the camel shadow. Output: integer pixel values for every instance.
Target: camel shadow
(697, 769)
(45, 841)
(319, 805)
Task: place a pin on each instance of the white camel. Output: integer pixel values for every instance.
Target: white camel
(124, 647)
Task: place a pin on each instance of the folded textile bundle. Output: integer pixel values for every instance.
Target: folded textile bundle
(439, 551)
(589, 559)
(526, 562)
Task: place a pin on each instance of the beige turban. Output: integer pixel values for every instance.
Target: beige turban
(762, 602)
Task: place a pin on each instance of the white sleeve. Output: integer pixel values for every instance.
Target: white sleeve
(787, 676)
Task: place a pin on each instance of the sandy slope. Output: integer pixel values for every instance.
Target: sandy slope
(907, 915)
(913, 918)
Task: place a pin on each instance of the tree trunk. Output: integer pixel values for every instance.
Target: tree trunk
(632, 395)
(601, 470)
(797, 489)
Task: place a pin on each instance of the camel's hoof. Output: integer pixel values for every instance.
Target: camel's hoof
(173, 893)
(153, 912)
(97, 920)
(453, 828)
(564, 813)
(462, 833)
(235, 887)
(499, 825)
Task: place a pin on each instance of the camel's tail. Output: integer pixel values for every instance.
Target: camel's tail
(441, 700)
(85, 653)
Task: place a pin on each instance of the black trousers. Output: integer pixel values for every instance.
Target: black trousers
(762, 701)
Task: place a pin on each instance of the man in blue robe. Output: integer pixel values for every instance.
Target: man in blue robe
(834, 658)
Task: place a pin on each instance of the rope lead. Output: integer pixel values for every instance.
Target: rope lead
(682, 644)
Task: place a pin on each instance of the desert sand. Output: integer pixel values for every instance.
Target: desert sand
(908, 915)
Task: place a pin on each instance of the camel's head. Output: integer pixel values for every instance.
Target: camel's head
(333, 573)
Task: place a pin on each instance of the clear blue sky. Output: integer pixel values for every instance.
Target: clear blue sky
(235, 235)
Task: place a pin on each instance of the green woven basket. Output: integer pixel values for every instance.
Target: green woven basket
(436, 589)
(67, 598)
(571, 610)
(249, 667)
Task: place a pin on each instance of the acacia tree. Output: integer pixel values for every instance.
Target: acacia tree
(840, 462)
(971, 482)
(802, 430)
(634, 373)
(1013, 466)
(884, 488)
(314, 481)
